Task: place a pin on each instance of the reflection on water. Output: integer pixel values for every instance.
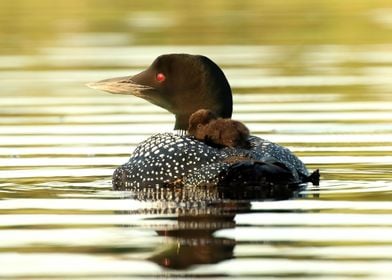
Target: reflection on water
(313, 77)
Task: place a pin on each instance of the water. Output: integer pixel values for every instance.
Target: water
(315, 78)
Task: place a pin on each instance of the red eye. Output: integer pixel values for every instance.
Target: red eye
(160, 77)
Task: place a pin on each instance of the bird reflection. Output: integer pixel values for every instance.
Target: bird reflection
(199, 212)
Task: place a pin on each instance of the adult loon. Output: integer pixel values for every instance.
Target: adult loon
(183, 84)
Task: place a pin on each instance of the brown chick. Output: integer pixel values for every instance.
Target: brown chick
(218, 132)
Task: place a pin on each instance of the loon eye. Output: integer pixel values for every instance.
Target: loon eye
(160, 77)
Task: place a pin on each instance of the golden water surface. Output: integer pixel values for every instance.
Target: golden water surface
(315, 76)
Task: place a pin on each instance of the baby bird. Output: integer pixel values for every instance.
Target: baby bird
(205, 126)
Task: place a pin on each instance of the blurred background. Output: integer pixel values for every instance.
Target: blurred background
(315, 76)
(28, 25)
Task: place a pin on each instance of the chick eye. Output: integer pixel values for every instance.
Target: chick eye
(160, 77)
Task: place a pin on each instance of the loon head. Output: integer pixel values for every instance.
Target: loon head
(179, 83)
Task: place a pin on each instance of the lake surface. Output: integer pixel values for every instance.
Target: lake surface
(314, 78)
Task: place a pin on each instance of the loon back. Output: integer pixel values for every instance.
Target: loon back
(173, 160)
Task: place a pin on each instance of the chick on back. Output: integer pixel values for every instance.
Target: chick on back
(205, 126)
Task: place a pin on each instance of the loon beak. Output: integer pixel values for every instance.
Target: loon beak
(120, 85)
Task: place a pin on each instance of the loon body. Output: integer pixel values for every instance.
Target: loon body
(183, 84)
(164, 158)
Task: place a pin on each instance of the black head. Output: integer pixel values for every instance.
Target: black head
(179, 83)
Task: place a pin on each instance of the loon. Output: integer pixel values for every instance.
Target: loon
(183, 84)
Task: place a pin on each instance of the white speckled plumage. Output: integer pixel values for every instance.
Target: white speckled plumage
(167, 157)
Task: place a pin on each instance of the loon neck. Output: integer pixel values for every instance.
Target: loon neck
(182, 122)
(180, 132)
